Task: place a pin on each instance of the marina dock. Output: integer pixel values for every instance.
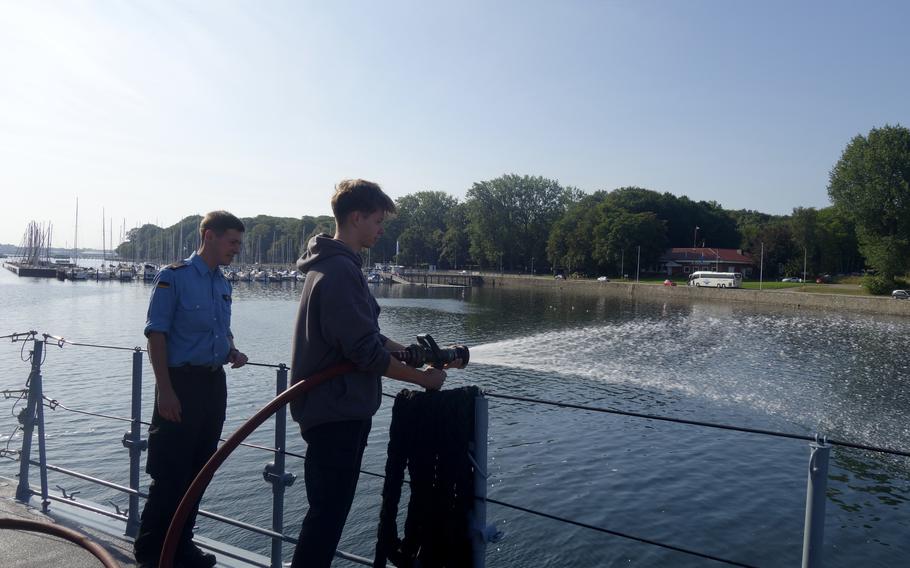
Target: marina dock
(31, 271)
(433, 278)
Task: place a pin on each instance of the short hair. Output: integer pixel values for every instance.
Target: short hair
(359, 195)
(219, 221)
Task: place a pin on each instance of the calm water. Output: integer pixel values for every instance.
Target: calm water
(733, 495)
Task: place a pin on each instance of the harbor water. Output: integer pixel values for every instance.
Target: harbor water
(728, 494)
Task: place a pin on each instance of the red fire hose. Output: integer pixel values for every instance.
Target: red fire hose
(199, 485)
(56, 530)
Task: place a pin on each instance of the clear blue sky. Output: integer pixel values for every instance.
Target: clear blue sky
(155, 110)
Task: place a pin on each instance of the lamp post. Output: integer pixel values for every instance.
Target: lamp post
(638, 265)
(804, 265)
(761, 266)
(695, 236)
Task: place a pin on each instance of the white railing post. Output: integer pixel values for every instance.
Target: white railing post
(814, 532)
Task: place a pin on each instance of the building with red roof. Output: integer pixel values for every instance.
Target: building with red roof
(682, 261)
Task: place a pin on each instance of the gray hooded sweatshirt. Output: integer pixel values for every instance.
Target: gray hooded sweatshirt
(338, 320)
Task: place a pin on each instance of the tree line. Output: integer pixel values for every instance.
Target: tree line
(521, 223)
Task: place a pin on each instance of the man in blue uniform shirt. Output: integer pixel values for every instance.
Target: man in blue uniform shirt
(189, 340)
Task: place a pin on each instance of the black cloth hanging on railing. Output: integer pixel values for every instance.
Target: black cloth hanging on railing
(431, 434)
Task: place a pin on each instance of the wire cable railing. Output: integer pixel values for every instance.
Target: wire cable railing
(54, 404)
(22, 336)
(62, 341)
(704, 424)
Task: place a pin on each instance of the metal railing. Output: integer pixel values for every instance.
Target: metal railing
(275, 473)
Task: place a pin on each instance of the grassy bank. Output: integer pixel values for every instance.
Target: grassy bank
(846, 286)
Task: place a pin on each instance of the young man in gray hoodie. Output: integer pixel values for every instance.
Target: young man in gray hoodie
(338, 320)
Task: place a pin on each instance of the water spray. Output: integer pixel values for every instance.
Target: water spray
(427, 352)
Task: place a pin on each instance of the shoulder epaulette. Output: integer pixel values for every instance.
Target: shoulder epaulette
(177, 265)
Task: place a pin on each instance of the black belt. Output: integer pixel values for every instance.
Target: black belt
(204, 368)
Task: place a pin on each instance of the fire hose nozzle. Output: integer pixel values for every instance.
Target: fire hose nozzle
(427, 352)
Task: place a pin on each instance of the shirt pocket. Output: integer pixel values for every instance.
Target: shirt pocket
(195, 315)
(224, 304)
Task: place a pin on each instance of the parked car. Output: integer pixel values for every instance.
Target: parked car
(791, 279)
(824, 279)
(901, 294)
(669, 282)
(603, 279)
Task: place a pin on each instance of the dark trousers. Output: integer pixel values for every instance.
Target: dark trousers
(333, 455)
(176, 453)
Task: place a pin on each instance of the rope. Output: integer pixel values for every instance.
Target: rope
(12, 455)
(22, 393)
(704, 424)
(619, 534)
(26, 358)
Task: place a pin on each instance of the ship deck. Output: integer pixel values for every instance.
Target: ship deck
(23, 549)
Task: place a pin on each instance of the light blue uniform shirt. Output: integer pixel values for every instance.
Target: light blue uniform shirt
(191, 305)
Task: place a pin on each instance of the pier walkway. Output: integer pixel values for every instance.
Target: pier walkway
(434, 278)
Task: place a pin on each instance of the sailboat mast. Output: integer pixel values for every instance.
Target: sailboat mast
(103, 243)
(76, 236)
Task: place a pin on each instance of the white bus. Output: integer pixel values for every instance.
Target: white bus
(716, 279)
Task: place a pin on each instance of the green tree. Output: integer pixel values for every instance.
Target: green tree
(422, 223)
(782, 257)
(268, 239)
(622, 234)
(455, 242)
(569, 242)
(510, 217)
(805, 232)
(870, 185)
(838, 247)
(715, 226)
(774, 234)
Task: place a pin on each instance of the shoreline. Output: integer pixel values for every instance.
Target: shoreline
(880, 305)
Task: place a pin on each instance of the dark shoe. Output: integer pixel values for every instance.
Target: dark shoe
(195, 558)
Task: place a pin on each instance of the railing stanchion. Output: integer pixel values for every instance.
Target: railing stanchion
(133, 441)
(481, 533)
(38, 385)
(28, 418)
(814, 532)
(274, 472)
